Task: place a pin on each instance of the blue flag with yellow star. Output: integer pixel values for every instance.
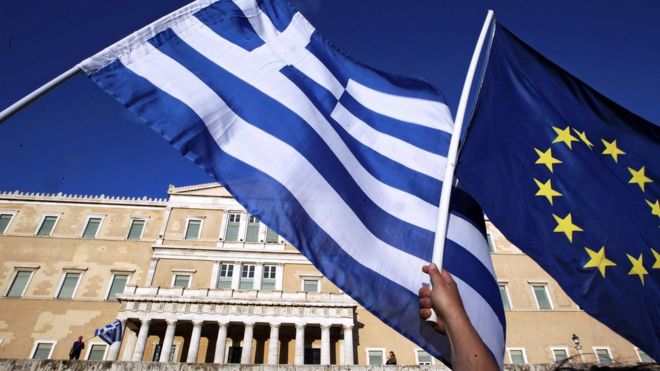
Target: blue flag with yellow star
(572, 179)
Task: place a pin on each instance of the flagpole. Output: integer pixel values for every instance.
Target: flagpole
(448, 180)
(6, 113)
(452, 155)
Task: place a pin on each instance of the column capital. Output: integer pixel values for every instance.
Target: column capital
(171, 321)
(325, 325)
(145, 320)
(348, 326)
(198, 322)
(300, 325)
(248, 324)
(223, 323)
(275, 324)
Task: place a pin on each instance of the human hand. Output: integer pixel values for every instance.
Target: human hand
(444, 299)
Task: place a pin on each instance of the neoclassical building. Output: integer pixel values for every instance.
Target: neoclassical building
(195, 278)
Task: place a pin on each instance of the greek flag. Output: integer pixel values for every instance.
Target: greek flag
(110, 333)
(344, 161)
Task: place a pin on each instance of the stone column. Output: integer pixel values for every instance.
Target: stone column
(194, 342)
(130, 339)
(141, 340)
(274, 344)
(325, 344)
(300, 344)
(221, 343)
(246, 353)
(166, 350)
(348, 345)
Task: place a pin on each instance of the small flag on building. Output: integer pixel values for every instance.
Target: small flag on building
(571, 178)
(345, 162)
(110, 333)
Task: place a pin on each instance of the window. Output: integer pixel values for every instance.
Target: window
(542, 297)
(47, 225)
(643, 357)
(4, 222)
(310, 285)
(517, 356)
(504, 293)
(117, 286)
(603, 355)
(69, 285)
(18, 286)
(42, 349)
(92, 227)
(252, 234)
(225, 276)
(193, 228)
(233, 223)
(423, 358)
(96, 352)
(268, 279)
(247, 277)
(375, 357)
(559, 354)
(181, 280)
(271, 236)
(135, 231)
(491, 242)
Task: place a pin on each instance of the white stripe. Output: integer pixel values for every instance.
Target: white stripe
(465, 234)
(263, 74)
(282, 162)
(483, 318)
(423, 112)
(258, 19)
(394, 148)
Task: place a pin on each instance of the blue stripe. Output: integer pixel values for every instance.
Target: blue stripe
(432, 140)
(382, 168)
(343, 68)
(463, 205)
(279, 121)
(227, 20)
(461, 263)
(279, 12)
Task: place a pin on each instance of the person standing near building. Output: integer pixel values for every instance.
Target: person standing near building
(391, 360)
(77, 348)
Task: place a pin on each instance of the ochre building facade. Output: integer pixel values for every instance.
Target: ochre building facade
(195, 278)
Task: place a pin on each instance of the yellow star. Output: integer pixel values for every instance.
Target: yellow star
(612, 150)
(638, 177)
(637, 267)
(656, 255)
(655, 207)
(545, 189)
(583, 138)
(564, 136)
(598, 260)
(566, 226)
(545, 158)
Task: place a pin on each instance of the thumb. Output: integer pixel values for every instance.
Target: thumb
(436, 277)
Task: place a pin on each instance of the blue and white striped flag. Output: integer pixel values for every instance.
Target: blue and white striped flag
(110, 333)
(344, 161)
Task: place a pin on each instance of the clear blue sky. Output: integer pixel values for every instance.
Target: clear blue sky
(79, 140)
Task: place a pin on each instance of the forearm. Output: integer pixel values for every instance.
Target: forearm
(468, 351)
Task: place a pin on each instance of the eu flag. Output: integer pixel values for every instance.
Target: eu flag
(571, 178)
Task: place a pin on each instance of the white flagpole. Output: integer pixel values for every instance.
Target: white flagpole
(37, 93)
(448, 181)
(452, 155)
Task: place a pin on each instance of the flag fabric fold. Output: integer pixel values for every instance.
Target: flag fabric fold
(110, 333)
(573, 182)
(344, 161)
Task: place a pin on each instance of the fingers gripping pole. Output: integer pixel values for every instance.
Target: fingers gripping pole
(452, 155)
